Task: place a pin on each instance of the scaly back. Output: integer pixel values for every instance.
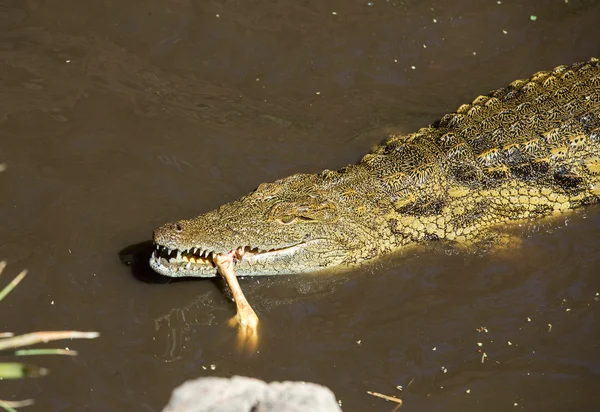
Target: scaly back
(544, 130)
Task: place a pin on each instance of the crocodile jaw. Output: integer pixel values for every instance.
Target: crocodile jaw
(248, 261)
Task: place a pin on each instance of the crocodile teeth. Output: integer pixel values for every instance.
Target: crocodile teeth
(194, 250)
(189, 265)
(186, 258)
(192, 260)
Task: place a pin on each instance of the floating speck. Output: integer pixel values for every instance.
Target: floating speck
(468, 391)
(369, 3)
(483, 356)
(424, 46)
(435, 20)
(444, 369)
(334, 13)
(67, 61)
(340, 402)
(317, 92)
(399, 387)
(218, 15)
(515, 404)
(52, 303)
(509, 343)
(479, 344)
(567, 310)
(434, 348)
(504, 31)
(549, 327)
(359, 341)
(213, 367)
(533, 17)
(528, 319)
(413, 67)
(2, 167)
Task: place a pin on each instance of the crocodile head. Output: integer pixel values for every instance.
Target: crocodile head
(302, 223)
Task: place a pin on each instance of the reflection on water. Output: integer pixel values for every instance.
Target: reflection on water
(116, 118)
(172, 327)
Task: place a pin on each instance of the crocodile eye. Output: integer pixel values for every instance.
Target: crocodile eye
(287, 219)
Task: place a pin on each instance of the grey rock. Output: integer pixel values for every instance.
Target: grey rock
(242, 394)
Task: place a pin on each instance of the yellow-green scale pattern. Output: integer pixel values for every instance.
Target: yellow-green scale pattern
(528, 150)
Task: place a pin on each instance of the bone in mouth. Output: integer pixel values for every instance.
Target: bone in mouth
(225, 263)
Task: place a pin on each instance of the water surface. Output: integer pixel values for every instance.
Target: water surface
(117, 117)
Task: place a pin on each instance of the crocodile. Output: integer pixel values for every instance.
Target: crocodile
(528, 150)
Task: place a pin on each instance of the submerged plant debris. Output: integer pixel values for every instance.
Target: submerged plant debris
(18, 370)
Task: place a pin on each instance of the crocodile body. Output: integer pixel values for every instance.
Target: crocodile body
(528, 150)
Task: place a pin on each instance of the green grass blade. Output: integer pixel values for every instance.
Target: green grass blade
(15, 370)
(11, 405)
(33, 352)
(13, 283)
(44, 337)
(6, 407)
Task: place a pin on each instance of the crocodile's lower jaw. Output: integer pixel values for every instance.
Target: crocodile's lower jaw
(196, 263)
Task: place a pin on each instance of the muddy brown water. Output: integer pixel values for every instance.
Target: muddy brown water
(117, 117)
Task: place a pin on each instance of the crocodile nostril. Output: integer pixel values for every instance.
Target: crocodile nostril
(178, 227)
